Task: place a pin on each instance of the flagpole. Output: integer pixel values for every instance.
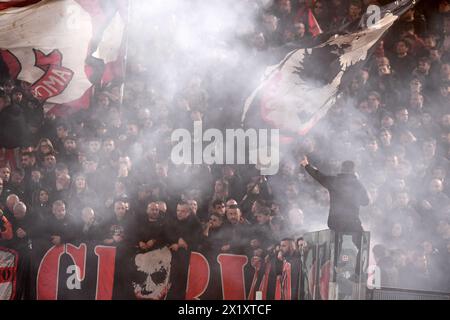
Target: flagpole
(125, 58)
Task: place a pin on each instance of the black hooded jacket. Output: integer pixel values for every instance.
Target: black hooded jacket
(347, 194)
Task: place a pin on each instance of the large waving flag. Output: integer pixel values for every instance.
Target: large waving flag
(296, 93)
(63, 47)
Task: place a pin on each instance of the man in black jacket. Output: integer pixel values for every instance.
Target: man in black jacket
(347, 194)
(60, 228)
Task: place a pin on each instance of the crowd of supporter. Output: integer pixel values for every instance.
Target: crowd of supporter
(105, 173)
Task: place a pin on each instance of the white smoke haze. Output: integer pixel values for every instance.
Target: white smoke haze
(177, 45)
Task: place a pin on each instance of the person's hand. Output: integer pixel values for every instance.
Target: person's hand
(21, 233)
(225, 248)
(56, 240)
(108, 241)
(142, 245)
(254, 243)
(304, 162)
(280, 256)
(150, 243)
(117, 238)
(109, 202)
(174, 247)
(182, 243)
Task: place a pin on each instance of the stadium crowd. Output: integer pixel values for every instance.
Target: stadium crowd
(105, 173)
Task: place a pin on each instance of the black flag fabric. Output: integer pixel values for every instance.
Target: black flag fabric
(297, 92)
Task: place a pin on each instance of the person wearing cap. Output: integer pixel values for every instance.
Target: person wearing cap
(347, 195)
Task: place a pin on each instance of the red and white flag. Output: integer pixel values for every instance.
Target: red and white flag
(49, 43)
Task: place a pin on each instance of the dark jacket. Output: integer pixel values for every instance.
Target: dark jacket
(152, 230)
(190, 230)
(65, 228)
(13, 129)
(347, 194)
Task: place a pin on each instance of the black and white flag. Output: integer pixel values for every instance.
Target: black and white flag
(296, 93)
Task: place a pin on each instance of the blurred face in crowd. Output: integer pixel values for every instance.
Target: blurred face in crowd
(5, 174)
(231, 203)
(132, 130)
(354, 11)
(1, 185)
(387, 121)
(193, 206)
(89, 166)
(162, 206)
(20, 210)
(61, 132)
(161, 170)
(287, 247)
(415, 86)
(108, 145)
(373, 102)
(429, 148)
(372, 146)
(445, 71)
(49, 161)
(183, 211)
(385, 137)
(435, 55)
(401, 48)
(17, 97)
(391, 162)
(424, 67)
(103, 100)
(80, 182)
(402, 115)
(153, 211)
(228, 172)
(444, 6)
(291, 191)
(300, 30)
(11, 201)
(43, 196)
(427, 247)
(262, 218)
(88, 216)
(220, 209)
(27, 161)
(402, 199)
(296, 216)
(17, 177)
(233, 215)
(436, 186)
(384, 69)
(94, 146)
(44, 147)
(120, 209)
(416, 101)
(215, 221)
(284, 6)
(70, 145)
(59, 210)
